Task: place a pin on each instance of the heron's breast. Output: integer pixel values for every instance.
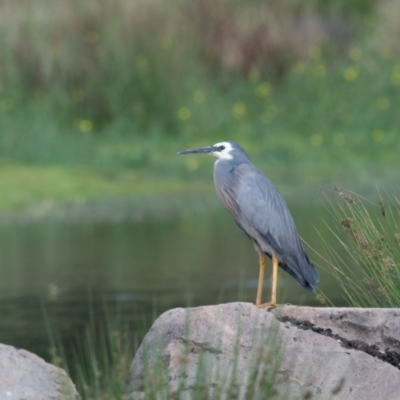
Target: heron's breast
(225, 186)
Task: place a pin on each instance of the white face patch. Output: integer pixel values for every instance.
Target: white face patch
(225, 153)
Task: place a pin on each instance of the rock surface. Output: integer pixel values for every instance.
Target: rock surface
(237, 350)
(374, 326)
(25, 376)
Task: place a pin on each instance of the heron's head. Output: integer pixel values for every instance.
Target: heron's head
(222, 150)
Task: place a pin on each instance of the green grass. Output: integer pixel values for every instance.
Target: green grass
(99, 362)
(367, 262)
(80, 98)
(101, 109)
(25, 186)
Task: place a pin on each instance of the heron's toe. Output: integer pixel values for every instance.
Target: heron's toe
(267, 305)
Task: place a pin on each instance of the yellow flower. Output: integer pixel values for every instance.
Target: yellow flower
(192, 164)
(346, 118)
(317, 140)
(382, 103)
(254, 75)
(78, 94)
(263, 89)
(350, 74)
(239, 109)
(387, 53)
(7, 104)
(339, 139)
(166, 42)
(319, 70)
(184, 113)
(395, 77)
(378, 135)
(314, 52)
(299, 68)
(92, 37)
(199, 96)
(142, 62)
(85, 125)
(355, 54)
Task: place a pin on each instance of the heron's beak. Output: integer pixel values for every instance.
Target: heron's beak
(209, 149)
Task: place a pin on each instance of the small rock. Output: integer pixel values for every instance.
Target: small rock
(24, 375)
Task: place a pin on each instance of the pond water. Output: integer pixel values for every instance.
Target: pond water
(67, 270)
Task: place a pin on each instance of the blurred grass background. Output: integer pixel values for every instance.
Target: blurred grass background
(96, 97)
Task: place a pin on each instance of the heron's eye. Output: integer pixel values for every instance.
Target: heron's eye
(222, 148)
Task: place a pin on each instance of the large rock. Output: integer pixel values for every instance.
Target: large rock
(240, 351)
(25, 376)
(374, 327)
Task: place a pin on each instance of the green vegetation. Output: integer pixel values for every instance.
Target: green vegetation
(118, 85)
(99, 361)
(24, 187)
(367, 263)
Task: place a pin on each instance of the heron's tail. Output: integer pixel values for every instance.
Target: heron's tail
(307, 275)
(312, 278)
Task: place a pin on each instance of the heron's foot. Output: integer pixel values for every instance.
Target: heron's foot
(267, 305)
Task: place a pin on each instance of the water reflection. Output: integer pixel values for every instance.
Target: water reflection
(143, 268)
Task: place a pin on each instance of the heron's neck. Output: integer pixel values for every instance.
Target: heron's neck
(223, 165)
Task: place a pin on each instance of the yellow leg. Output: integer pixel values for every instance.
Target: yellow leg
(275, 264)
(263, 262)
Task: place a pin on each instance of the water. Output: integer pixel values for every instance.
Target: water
(142, 268)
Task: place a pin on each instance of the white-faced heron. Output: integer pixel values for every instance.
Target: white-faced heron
(261, 212)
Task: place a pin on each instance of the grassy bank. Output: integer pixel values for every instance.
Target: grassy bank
(38, 190)
(23, 186)
(116, 88)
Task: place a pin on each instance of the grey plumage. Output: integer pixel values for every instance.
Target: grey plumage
(259, 210)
